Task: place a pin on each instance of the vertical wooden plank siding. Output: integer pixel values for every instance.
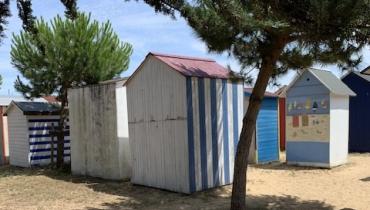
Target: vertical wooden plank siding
(213, 100)
(235, 116)
(220, 132)
(191, 160)
(192, 124)
(208, 116)
(226, 131)
(157, 105)
(202, 134)
(230, 128)
(214, 126)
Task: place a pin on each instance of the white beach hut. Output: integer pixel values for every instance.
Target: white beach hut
(99, 127)
(185, 118)
(29, 124)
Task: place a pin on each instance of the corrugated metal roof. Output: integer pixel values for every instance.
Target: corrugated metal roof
(366, 70)
(36, 108)
(6, 100)
(334, 84)
(195, 67)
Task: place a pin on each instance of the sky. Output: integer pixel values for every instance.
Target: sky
(136, 23)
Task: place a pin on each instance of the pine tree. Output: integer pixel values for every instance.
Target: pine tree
(63, 54)
(274, 36)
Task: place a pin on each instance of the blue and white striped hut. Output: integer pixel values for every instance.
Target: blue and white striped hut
(185, 118)
(29, 124)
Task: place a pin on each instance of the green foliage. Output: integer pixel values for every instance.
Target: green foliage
(74, 53)
(311, 31)
(4, 13)
(71, 8)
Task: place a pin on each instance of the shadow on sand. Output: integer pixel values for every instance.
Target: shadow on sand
(139, 197)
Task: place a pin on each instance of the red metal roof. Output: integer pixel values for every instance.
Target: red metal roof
(51, 99)
(195, 67)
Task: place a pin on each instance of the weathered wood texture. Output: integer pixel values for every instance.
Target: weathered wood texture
(98, 118)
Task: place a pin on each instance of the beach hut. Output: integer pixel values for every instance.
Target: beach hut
(99, 129)
(29, 124)
(4, 140)
(317, 120)
(359, 111)
(265, 144)
(185, 118)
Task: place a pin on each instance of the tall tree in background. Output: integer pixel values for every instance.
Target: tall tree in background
(64, 54)
(274, 36)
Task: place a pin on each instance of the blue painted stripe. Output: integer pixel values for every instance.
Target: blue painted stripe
(43, 157)
(307, 151)
(216, 174)
(43, 128)
(42, 135)
(226, 131)
(47, 149)
(235, 116)
(191, 158)
(47, 142)
(202, 133)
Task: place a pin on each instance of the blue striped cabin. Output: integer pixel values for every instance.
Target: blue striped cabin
(29, 124)
(184, 123)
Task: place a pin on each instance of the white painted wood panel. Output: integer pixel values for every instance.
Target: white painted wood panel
(339, 125)
(99, 131)
(231, 127)
(220, 132)
(18, 138)
(157, 114)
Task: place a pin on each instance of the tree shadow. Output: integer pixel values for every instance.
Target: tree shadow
(284, 166)
(131, 196)
(367, 179)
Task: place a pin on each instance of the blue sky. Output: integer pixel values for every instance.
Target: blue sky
(135, 23)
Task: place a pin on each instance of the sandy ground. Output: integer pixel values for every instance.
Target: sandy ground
(275, 186)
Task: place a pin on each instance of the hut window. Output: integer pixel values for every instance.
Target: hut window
(308, 79)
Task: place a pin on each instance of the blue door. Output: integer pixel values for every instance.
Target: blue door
(267, 131)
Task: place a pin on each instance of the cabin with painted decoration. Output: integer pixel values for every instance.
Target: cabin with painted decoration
(185, 118)
(99, 128)
(317, 120)
(265, 143)
(29, 125)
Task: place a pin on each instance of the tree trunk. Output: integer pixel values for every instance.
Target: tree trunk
(249, 123)
(60, 136)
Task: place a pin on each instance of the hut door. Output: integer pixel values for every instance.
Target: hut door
(267, 131)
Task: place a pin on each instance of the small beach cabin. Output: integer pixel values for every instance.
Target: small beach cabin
(184, 116)
(359, 111)
(265, 144)
(29, 125)
(99, 128)
(317, 120)
(4, 140)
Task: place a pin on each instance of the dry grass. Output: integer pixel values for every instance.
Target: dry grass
(275, 186)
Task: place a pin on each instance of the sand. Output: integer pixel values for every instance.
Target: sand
(273, 186)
